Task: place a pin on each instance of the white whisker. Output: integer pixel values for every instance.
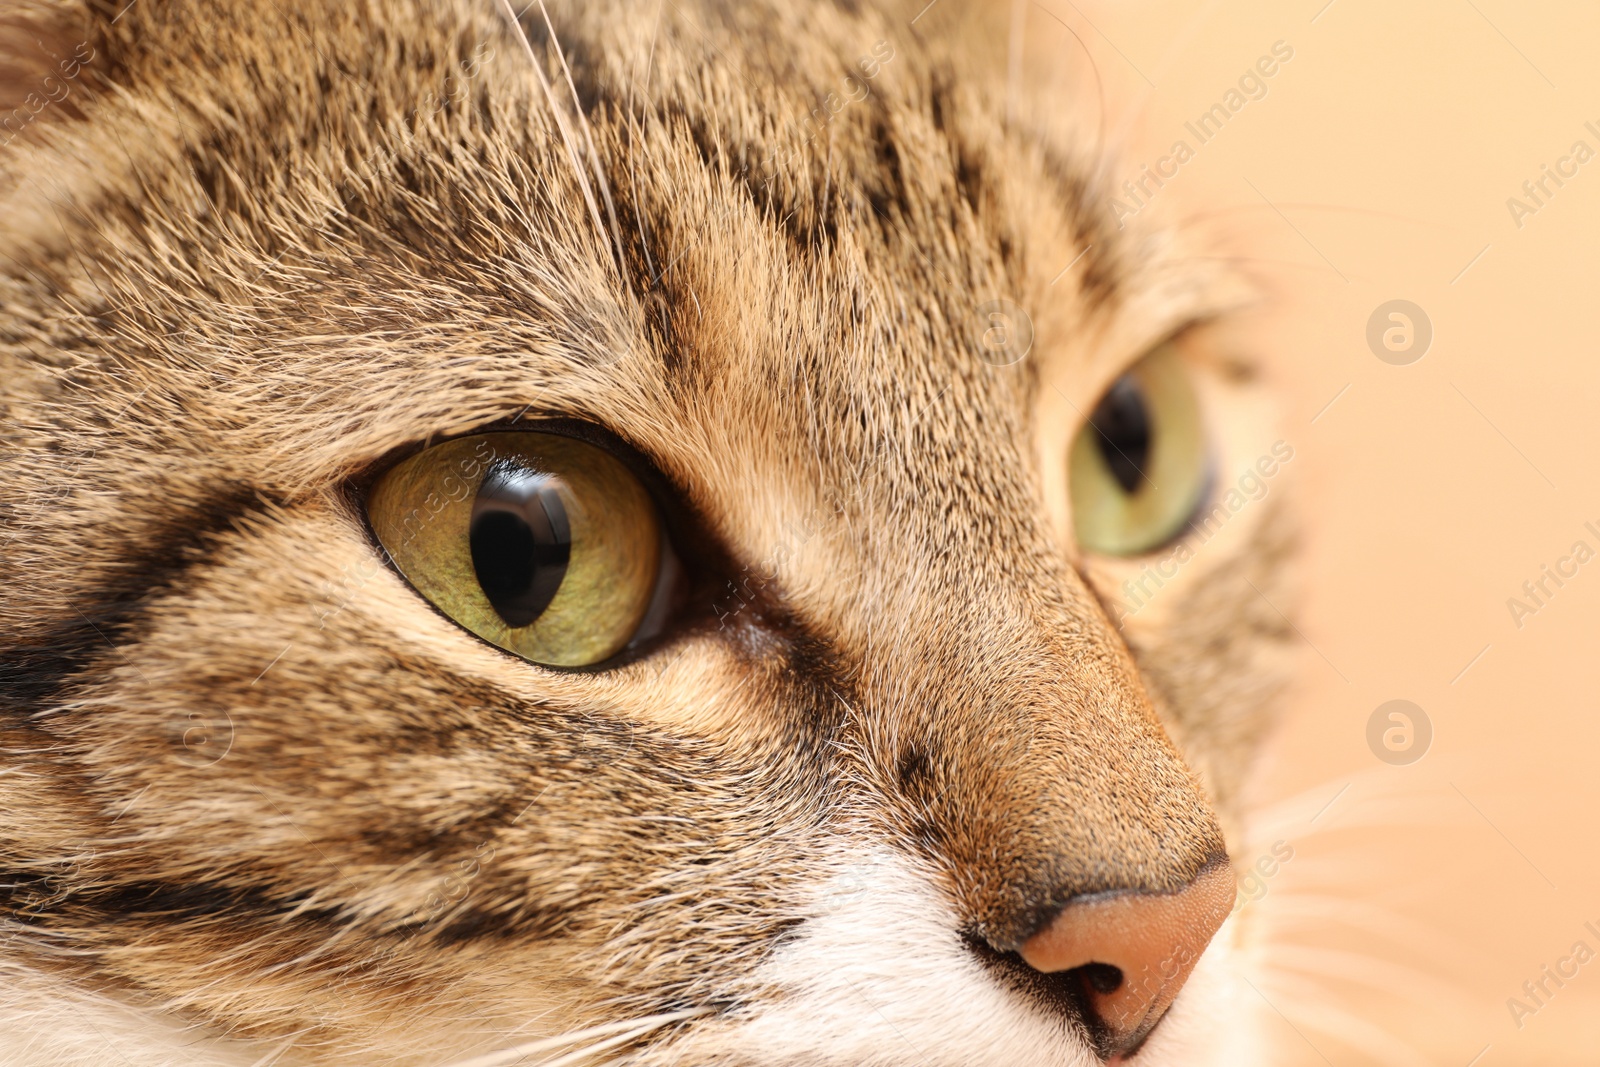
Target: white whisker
(588, 135)
(561, 120)
(277, 1051)
(571, 1059)
(635, 123)
(630, 1029)
(1365, 969)
(1349, 1029)
(1364, 799)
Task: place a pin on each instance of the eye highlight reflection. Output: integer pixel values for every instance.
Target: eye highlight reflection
(521, 542)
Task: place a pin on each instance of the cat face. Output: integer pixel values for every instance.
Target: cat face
(837, 690)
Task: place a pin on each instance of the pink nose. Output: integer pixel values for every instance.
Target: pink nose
(1151, 940)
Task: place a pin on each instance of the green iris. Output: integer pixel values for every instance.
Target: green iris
(1138, 468)
(543, 545)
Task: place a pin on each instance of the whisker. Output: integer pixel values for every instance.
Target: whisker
(1365, 969)
(1302, 815)
(630, 1029)
(598, 1047)
(588, 135)
(1349, 1029)
(1099, 83)
(556, 111)
(1019, 9)
(635, 123)
(1297, 910)
(276, 1052)
(1240, 209)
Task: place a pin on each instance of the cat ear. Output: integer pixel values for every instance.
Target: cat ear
(47, 51)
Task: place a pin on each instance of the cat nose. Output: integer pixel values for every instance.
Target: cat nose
(1132, 951)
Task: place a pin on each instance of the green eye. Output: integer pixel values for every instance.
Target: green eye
(1139, 466)
(543, 545)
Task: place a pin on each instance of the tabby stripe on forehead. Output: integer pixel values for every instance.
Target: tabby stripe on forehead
(36, 671)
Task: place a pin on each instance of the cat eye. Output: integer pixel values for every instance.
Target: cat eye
(1138, 467)
(544, 545)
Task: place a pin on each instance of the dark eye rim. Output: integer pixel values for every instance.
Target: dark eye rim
(699, 554)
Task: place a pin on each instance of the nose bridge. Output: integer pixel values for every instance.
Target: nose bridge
(1024, 755)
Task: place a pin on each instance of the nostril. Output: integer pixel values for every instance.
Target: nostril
(1100, 977)
(1125, 955)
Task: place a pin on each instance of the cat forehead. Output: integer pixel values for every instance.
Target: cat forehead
(754, 216)
(749, 215)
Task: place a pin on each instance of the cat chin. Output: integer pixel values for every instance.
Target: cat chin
(879, 977)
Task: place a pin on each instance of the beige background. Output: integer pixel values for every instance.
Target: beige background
(1377, 167)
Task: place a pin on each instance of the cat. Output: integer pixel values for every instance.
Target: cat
(665, 533)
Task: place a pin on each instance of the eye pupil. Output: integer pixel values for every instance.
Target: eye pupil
(521, 542)
(1122, 422)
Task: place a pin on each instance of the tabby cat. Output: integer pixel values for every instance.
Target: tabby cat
(626, 532)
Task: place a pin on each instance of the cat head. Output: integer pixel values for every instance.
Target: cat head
(878, 705)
